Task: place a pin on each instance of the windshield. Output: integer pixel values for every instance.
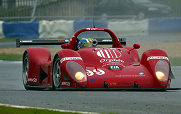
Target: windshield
(94, 34)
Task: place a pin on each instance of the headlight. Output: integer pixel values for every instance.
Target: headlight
(160, 75)
(80, 76)
(162, 70)
(76, 71)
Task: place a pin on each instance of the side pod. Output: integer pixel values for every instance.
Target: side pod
(37, 57)
(157, 62)
(71, 63)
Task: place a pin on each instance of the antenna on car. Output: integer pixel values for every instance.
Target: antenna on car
(93, 13)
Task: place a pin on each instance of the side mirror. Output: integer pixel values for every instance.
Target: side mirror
(136, 46)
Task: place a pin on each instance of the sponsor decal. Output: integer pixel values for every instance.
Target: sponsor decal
(114, 68)
(125, 83)
(119, 83)
(32, 79)
(70, 58)
(157, 57)
(113, 64)
(101, 79)
(94, 29)
(26, 41)
(129, 75)
(107, 40)
(141, 73)
(63, 40)
(109, 53)
(111, 61)
(114, 84)
(95, 71)
(91, 78)
(66, 83)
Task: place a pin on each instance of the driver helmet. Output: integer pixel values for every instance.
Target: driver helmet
(87, 43)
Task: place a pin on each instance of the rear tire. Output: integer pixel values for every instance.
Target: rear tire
(56, 77)
(25, 71)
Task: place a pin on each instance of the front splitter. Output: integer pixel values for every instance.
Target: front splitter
(118, 89)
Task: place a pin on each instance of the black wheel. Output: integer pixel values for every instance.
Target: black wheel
(25, 71)
(56, 73)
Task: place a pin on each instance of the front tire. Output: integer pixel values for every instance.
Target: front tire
(56, 73)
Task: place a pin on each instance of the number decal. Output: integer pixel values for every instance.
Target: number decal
(89, 73)
(99, 71)
(96, 71)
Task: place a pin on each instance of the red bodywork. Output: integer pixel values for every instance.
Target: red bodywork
(117, 66)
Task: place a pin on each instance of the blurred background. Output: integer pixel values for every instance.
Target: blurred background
(151, 23)
(32, 10)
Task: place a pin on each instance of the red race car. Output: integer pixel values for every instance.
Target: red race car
(94, 68)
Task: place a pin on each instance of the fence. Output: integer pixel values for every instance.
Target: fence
(32, 10)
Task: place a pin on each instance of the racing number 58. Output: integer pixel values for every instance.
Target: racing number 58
(95, 71)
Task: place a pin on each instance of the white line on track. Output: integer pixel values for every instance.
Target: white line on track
(58, 110)
(4, 61)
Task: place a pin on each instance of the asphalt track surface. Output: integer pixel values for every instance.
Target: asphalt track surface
(7, 44)
(13, 92)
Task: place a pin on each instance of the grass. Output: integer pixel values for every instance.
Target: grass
(11, 57)
(175, 61)
(7, 40)
(10, 110)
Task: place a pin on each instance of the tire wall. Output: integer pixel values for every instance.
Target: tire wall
(55, 29)
(1, 30)
(129, 28)
(66, 28)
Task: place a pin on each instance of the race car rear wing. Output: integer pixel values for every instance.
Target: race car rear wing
(100, 41)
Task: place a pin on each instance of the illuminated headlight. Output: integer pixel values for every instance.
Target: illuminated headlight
(160, 75)
(76, 71)
(80, 76)
(162, 70)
